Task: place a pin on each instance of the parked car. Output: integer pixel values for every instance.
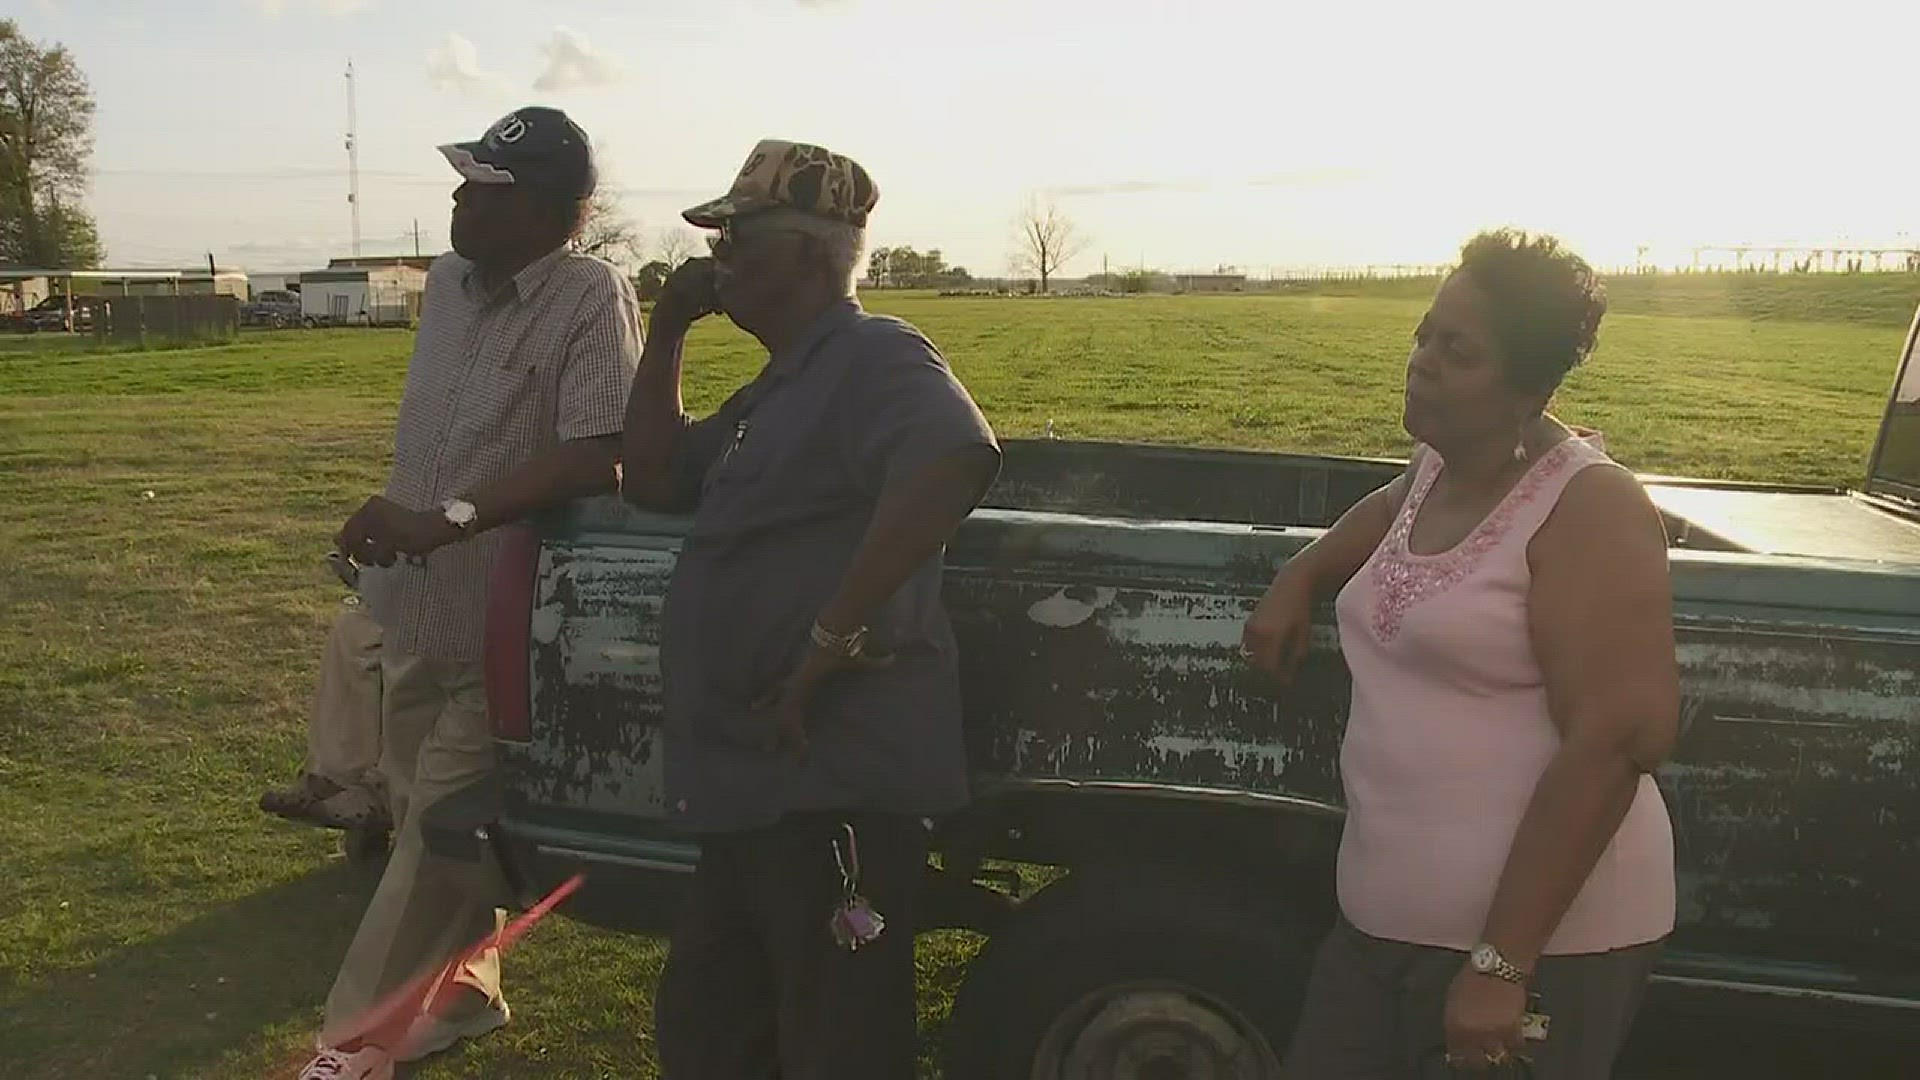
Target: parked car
(52, 313)
(274, 308)
(1189, 812)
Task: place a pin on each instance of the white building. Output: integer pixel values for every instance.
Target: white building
(258, 283)
(363, 295)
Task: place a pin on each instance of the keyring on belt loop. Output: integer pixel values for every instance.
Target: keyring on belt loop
(848, 861)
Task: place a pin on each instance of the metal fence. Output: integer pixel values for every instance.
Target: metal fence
(146, 320)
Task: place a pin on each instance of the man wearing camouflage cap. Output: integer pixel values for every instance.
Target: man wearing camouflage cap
(812, 697)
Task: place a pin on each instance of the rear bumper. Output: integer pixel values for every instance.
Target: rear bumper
(632, 884)
(460, 825)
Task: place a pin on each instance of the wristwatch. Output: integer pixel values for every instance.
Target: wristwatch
(460, 513)
(848, 645)
(1486, 960)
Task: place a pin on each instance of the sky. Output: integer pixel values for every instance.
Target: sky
(1182, 136)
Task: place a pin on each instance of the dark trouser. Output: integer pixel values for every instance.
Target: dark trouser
(1374, 1010)
(756, 986)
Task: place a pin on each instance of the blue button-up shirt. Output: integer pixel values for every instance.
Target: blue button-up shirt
(785, 477)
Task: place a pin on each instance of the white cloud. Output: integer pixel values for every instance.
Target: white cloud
(574, 64)
(273, 9)
(455, 65)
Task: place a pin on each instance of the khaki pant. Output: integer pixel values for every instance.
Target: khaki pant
(428, 908)
(343, 731)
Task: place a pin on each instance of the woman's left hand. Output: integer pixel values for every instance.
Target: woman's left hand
(1483, 1020)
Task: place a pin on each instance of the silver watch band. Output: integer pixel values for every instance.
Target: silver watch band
(849, 644)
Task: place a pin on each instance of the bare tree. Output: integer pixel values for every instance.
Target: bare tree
(674, 245)
(1044, 239)
(607, 232)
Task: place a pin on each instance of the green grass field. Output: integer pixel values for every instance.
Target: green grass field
(163, 515)
(1859, 299)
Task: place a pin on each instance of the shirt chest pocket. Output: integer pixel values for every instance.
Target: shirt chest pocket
(507, 390)
(752, 463)
(766, 443)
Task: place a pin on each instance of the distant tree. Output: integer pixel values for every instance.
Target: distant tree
(46, 142)
(674, 245)
(904, 268)
(934, 269)
(650, 279)
(608, 233)
(68, 236)
(1044, 240)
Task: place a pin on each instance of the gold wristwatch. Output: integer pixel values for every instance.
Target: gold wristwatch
(1486, 960)
(849, 645)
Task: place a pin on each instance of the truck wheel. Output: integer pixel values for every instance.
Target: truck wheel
(1172, 989)
(366, 849)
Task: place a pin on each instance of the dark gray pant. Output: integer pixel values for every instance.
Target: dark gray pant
(1374, 1010)
(756, 987)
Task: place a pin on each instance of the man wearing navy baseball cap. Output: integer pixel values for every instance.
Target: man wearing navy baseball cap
(513, 403)
(533, 147)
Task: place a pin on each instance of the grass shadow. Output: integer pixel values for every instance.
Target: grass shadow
(183, 1001)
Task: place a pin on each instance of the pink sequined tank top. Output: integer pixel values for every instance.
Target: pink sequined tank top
(1449, 733)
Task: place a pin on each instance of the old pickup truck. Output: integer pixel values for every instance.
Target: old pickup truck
(1150, 844)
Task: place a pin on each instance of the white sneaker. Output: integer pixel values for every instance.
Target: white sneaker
(366, 1063)
(430, 1034)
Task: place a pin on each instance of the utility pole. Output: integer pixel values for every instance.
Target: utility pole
(416, 238)
(353, 161)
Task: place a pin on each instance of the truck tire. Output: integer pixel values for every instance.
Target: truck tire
(1153, 982)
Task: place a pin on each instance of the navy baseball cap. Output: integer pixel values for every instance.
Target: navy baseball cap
(535, 146)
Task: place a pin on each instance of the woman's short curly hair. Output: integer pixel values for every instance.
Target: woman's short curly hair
(1545, 303)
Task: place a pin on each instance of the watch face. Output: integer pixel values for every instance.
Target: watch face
(461, 513)
(1483, 958)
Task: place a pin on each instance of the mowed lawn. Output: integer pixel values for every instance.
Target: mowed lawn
(163, 515)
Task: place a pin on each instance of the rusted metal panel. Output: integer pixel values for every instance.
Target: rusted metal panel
(1136, 680)
(596, 680)
(1795, 802)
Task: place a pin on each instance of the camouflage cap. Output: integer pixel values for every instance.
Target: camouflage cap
(793, 176)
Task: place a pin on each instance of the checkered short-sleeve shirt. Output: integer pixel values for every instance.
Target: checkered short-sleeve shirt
(496, 379)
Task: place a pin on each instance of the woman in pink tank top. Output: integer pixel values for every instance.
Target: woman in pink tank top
(1505, 610)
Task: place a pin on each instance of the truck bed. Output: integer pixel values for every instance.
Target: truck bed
(1786, 521)
(1174, 483)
